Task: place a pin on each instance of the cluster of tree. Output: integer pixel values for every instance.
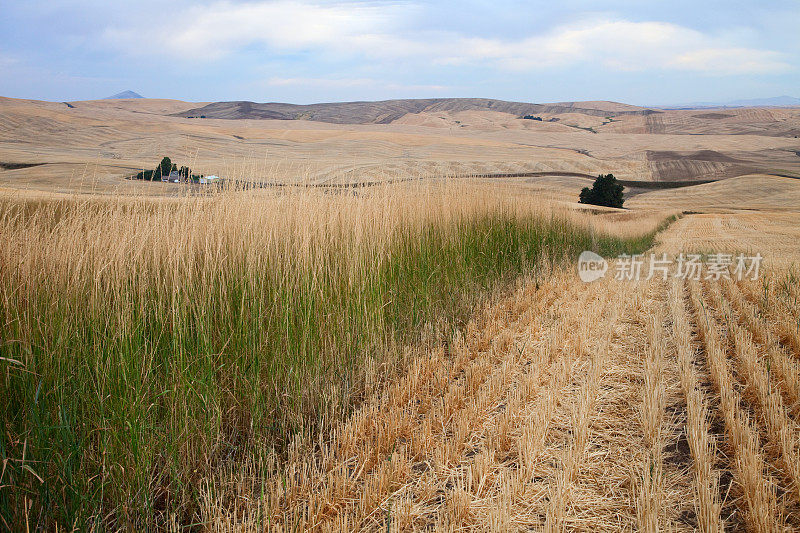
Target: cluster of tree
(164, 169)
(148, 175)
(606, 191)
(531, 117)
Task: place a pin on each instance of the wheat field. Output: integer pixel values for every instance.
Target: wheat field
(408, 357)
(150, 344)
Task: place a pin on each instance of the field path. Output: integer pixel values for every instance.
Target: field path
(566, 406)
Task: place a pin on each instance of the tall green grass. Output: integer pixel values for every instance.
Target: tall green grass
(146, 344)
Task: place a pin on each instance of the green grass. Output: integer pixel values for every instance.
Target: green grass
(122, 393)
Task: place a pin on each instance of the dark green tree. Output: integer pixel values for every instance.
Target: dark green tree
(164, 167)
(606, 191)
(185, 173)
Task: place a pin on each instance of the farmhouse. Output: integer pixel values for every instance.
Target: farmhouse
(172, 177)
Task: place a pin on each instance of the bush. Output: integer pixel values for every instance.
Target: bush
(147, 175)
(606, 191)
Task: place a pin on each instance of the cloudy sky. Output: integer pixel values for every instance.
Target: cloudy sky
(637, 51)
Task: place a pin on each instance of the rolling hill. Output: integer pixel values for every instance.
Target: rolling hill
(387, 111)
(94, 145)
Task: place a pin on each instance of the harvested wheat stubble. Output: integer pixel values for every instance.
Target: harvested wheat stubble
(757, 389)
(785, 317)
(705, 477)
(665, 500)
(755, 487)
(619, 486)
(784, 369)
(569, 449)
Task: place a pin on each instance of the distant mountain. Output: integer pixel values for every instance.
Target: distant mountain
(775, 101)
(386, 111)
(123, 94)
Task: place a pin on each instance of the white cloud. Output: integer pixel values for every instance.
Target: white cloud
(375, 30)
(622, 45)
(329, 83)
(731, 61)
(319, 82)
(212, 31)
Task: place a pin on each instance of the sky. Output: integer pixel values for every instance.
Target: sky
(635, 51)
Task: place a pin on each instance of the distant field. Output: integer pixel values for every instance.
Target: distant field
(769, 193)
(92, 145)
